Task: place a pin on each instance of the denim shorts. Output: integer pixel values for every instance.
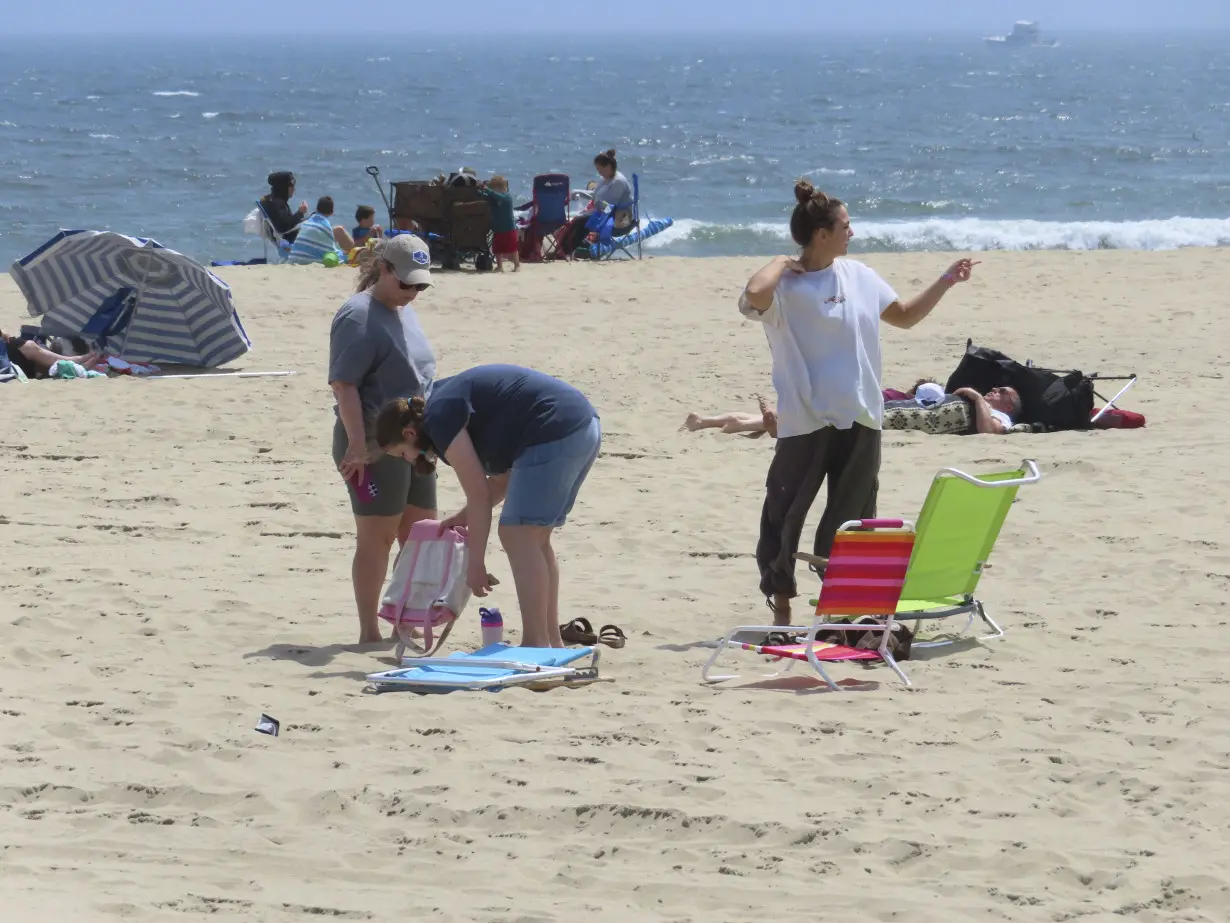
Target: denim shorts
(545, 479)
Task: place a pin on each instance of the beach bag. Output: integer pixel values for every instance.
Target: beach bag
(427, 591)
(8, 371)
(900, 639)
(254, 223)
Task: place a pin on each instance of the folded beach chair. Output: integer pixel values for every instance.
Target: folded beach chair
(494, 667)
(547, 213)
(960, 521)
(866, 571)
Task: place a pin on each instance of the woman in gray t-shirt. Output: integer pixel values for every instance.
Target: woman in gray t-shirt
(377, 353)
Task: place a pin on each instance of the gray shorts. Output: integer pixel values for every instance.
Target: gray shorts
(396, 483)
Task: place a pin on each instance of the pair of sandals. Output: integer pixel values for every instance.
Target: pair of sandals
(580, 631)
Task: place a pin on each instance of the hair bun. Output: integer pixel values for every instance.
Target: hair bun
(804, 191)
(611, 153)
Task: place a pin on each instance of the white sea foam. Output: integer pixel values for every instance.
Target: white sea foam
(209, 115)
(175, 93)
(830, 171)
(102, 136)
(965, 234)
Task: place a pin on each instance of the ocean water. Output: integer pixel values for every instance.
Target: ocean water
(935, 143)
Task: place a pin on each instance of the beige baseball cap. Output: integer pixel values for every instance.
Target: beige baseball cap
(409, 257)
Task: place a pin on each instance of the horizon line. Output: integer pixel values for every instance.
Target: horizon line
(361, 31)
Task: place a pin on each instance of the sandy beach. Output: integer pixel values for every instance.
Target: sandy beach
(176, 561)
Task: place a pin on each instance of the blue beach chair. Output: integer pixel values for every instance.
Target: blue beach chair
(492, 668)
(610, 243)
(548, 211)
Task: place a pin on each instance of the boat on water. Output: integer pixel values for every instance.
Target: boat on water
(1024, 33)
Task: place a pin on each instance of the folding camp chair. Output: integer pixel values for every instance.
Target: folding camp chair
(957, 528)
(866, 572)
(548, 212)
(270, 235)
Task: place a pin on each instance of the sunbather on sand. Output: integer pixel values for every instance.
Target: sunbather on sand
(36, 360)
(750, 424)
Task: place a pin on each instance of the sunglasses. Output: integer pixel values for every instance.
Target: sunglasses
(407, 286)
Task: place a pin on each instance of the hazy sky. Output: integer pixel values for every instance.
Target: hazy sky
(602, 17)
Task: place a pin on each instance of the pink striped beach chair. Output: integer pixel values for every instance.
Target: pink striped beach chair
(865, 574)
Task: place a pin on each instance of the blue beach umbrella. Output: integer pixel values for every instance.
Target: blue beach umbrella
(131, 297)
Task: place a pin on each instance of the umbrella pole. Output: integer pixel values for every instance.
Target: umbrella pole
(136, 304)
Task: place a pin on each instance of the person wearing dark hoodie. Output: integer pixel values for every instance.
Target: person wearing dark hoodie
(277, 205)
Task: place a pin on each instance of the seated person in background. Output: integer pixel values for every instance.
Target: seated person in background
(35, 360)
(747, 423)
(614, 191)
(365, 225)
(504, 241)
(317, 236)
(324, 208)
(276, 205)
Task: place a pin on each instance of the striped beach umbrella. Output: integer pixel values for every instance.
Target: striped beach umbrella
(132, 298)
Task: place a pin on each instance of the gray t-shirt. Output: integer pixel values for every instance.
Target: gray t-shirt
(616, 192)
(382, 352)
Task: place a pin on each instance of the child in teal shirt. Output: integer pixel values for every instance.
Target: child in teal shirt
(505, 243)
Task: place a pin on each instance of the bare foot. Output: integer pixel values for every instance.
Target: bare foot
(693, 422)
(88, 361)
(768, 415)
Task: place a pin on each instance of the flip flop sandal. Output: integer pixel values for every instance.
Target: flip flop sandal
(578, 631)
(612, 636)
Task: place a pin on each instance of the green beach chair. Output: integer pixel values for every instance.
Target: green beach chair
(957, 528)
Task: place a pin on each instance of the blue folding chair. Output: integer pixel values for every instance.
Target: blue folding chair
(613, 242)
(548, 211)
(111, 318)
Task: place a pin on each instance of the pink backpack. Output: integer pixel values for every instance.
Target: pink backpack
(428, 587)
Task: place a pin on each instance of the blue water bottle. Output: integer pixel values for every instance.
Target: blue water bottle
(492, 625)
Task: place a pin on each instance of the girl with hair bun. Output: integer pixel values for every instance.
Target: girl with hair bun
(821, 315)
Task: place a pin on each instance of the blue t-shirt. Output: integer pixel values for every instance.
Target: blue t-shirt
(506, 409)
